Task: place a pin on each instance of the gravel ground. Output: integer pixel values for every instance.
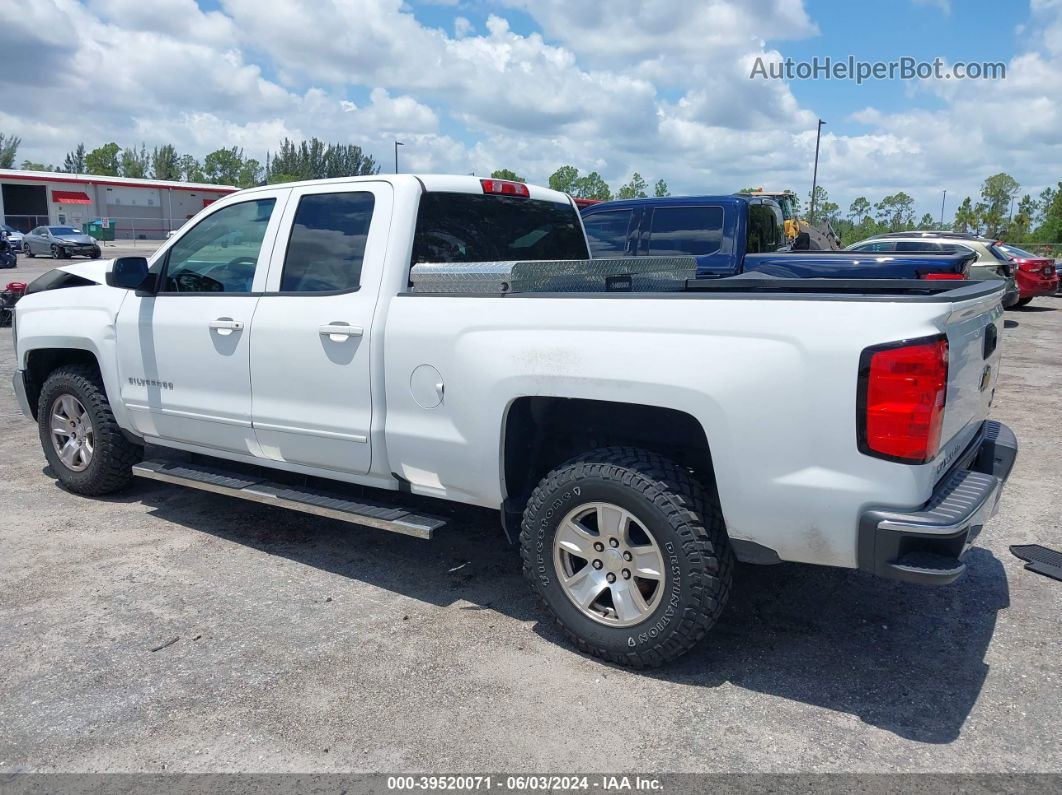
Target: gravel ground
(27, 269)
(305, 644)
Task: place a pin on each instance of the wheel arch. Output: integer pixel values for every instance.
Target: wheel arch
(41, 362)
(539, 433)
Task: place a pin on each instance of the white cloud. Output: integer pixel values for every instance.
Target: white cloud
(662, 88)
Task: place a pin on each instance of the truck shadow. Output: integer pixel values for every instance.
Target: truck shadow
(904, 658)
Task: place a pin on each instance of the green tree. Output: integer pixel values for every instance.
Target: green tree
(966, 218)
(165, 164)
(504, 173)
(75, 161)
(996, 194)
(1044, 201)
(927, 222)
(135, 163)
(250, 174)
(896, 212)
(190, 169)
(660, 190)
(635, 189)
(222, 166)
(859, 210)
(1019, 227)
(1050, 228)
(315, 159)
(592, 186)
(104, 160)
(29, 165)
(825, 210)
(8, 148)
(563, 179)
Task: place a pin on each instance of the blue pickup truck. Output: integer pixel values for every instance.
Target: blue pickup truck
(731, 235)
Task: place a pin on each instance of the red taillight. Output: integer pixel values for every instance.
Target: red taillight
(939, 276)
(900, 408)
(504, 187)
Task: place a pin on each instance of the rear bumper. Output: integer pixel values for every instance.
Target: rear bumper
(926, 546)
(1031, 285)
(18, 382)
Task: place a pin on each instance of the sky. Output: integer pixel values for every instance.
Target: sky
(662, 87)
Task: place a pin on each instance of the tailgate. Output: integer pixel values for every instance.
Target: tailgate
(975, 335)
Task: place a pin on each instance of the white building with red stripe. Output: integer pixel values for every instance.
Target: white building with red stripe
(134, 208)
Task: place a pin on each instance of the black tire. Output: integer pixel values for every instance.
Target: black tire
(110, 468)
(28, 250)
(95, 253)
(682, 519)
(56, 252)
(1023, 302)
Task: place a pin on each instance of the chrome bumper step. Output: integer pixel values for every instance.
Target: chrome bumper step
(297, 498)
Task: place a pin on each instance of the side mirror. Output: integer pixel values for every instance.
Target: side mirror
(128, 273)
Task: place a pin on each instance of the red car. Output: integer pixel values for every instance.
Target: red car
(1034, 275)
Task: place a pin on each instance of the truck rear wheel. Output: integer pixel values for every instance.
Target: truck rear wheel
(81, 439)
(628, 554)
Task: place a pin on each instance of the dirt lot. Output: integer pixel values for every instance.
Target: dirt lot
(310, 645)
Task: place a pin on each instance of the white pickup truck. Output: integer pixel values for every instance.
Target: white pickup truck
(637, 441)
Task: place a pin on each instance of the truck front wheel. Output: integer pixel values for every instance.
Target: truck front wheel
(629, 555)
(81, 439)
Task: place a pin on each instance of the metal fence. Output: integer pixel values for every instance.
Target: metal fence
(130, 229)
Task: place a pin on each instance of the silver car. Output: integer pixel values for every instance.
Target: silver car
(991, 263)
(59, 242)
(14, 237)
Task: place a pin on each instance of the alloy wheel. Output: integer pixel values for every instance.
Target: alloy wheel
(608, 564)
(72, 434)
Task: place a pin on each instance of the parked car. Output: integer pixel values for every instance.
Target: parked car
(738, 234)
(59, 242)
(991, 262)
(14, 237)
(1035, 275)
(414, 335)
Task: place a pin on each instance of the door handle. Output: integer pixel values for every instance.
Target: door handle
(225, 325)
(338, 332)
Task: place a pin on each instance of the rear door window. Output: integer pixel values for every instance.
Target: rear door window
(607, 233)
(692, 231)
(923, 246)
(469, 227)
(877, 247)
(327, 243)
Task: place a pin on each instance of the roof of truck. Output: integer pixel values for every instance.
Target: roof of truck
(448, 183)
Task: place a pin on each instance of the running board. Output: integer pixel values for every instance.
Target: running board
(296, 498)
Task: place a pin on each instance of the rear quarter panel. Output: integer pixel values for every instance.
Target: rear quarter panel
(772, 382)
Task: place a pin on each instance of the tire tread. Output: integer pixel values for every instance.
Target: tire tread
(695, 518)
(117, 453)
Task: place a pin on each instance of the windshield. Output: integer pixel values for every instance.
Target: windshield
(1021, 253)
(64, 230)
(468, 227)
(9, 229)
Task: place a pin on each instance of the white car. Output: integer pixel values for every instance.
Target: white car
(636, 442)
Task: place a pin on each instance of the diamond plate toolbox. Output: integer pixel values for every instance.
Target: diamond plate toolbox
(632, 274)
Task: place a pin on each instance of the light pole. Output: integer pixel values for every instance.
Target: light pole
(942, 198)
(397, 144)
(815, 173)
